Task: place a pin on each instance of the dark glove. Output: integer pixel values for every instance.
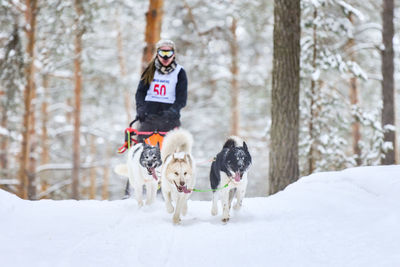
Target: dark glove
(171, 114)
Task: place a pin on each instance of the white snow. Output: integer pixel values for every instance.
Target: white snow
(347, 218)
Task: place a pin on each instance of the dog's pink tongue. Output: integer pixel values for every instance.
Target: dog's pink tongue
(237, 177)
(186, 190)
(153, 173)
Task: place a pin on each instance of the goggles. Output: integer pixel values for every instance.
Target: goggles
(165, 53)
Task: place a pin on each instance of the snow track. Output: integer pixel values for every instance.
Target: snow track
(348, 218)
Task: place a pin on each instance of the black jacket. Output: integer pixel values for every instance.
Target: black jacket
(145, 108)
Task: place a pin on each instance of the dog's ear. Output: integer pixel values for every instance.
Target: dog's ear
(188, 159)
(245, 146)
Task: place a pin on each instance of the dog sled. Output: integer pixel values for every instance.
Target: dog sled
(133, 136)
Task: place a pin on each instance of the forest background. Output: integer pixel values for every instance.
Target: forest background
(69, 71)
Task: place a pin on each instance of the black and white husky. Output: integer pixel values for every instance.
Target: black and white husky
(143, 167)
(228, 175)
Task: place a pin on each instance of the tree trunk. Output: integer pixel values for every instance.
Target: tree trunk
(355, 126)
(153, 30)
(45, 118)
(4, 145)
(106, 182)
(92, 171)
(283, 162)
(388, 111)
(32, 149)
(311, 157)
(77, 108)
(122, 66)
(234, 82)
(45, 157)
(69, 113)
(24, 174)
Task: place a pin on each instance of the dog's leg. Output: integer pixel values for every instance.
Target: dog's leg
(184, 206)
(214, 209)
(239, 198)
(167, 199)
(176, 219)
(241, 191)
(149, 193)
(154, 187)
(231, 195)
(138, 193)
(225, 205)
(127, 191)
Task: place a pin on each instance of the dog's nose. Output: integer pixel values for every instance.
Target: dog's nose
(182, 183)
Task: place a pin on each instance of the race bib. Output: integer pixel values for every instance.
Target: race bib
(162, 88)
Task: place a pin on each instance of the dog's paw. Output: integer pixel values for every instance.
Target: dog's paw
(170, 208)
(225, 220)
(140, 204)
(214, 211)
(238, 205)
(176, 220)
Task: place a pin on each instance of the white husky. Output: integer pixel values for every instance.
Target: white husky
(178, 171)
(143, 168)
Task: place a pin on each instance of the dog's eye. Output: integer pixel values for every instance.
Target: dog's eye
(176, 173)
(184, 173)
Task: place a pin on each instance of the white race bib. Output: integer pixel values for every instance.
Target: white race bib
(162, 88)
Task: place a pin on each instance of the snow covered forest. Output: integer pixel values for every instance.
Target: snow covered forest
(69, 72)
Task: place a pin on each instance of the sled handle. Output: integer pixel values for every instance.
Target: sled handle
(132, 122)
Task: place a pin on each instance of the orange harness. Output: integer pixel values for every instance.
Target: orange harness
(153, 138)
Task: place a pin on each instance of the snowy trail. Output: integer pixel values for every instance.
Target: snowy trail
(348, 218)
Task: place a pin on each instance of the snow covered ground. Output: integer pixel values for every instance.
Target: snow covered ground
(347, 218)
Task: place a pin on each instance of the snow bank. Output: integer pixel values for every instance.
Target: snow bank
(347, 218)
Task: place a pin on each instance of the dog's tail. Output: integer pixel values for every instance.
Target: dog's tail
(233, 141)
(121, 169)
(178, 140)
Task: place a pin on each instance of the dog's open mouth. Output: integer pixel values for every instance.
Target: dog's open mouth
(152, 172)
(182, 188)
(237, 177)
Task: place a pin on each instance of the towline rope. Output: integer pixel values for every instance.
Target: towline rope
(210, 190)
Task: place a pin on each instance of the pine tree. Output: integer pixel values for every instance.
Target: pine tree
(153, 29)
(27, 168)
(388, 111)
(284, 168)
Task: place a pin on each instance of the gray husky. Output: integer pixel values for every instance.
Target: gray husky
(143, 168)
